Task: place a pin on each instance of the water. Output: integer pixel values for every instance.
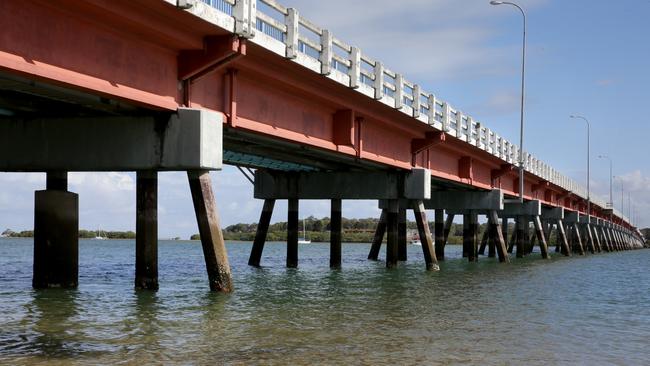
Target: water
(581, 310)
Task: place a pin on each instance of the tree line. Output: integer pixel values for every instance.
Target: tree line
(318, 230)
(83, 234)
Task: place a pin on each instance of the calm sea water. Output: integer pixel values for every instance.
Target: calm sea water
(581, 310)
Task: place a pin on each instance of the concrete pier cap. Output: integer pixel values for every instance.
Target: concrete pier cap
(389, 185)
(459, 202)
(190, 139)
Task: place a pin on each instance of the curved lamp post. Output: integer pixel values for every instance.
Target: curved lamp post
(523, 85)
(588, 173)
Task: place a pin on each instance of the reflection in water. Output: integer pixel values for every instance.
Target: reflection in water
(528, 312)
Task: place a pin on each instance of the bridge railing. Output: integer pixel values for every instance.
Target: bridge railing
(284, 31)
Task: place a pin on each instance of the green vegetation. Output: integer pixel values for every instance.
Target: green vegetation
(83, 234)
(354, 231)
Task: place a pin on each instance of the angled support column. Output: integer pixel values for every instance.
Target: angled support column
(572, 219)
(513, 239)
(379, 236)
(445, 235)
(292, 233)
(602, 239)
(596, 237)
(540, 237)
(576, 232)
(261, 233)
(493, 222)
(207, 217)
(504, 227)
(146, 231)
(401, 236)
(562, 239)
(392, 227)
(335, 233)
(425, 237)
(439, 229)
(590, 239)
(484, 241)
(56, 235)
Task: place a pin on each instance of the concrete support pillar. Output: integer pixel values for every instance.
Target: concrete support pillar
(335, 233)
(470, 236)
(392, 227)
(207, 217)
(292, 233)
(528, 243)
(379, 236)
(539, 231)
(521, 228)
(439, 229)
(146, 231)
(467, 239)
(56, 181)
(425, 237)
(56, 235)
(261, 233)
(492, 229)
(401, 236)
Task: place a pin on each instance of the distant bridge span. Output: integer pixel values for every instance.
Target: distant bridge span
(144, 84)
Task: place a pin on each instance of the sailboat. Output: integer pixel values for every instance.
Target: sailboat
(304, 239)
(99, 236)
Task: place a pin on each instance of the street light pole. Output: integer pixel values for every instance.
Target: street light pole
(588, 162)
(611, 198)
(622, 201)
(523, 89)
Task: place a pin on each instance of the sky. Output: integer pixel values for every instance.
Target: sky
(585, 57)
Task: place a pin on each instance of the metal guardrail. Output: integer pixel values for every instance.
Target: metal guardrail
(283, 31)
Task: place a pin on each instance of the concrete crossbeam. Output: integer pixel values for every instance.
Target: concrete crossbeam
(458, 202)
(529, 208)
(552, 213)
(572, 217)
(343, 185)
(584, 219)
(190, 139)
(465, 200)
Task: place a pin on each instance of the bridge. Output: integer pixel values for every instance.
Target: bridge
(182, 85)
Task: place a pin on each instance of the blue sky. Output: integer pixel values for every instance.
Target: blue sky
(584, 57)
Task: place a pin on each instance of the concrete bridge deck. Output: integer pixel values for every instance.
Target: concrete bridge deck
(252, 83)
